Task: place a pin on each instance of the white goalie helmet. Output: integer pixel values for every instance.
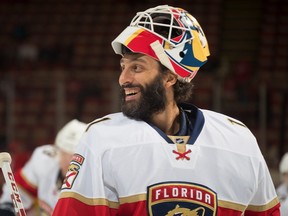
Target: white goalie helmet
(284, 164)
(170, 35)
(69, 136)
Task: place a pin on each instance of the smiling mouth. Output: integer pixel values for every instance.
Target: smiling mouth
(131, 94)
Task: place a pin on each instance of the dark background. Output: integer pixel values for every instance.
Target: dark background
(56, 63)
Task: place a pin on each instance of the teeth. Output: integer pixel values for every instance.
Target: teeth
(131, 92)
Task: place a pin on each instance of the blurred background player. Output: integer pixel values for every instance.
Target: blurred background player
(162, 156)
(282, 189)
(40, 179)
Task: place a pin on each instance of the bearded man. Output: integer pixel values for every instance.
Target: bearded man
(159, 154)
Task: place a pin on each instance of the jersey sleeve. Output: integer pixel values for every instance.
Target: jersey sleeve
(265, 200)
(84, 191)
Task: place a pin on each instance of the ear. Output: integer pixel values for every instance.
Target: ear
(170, 80)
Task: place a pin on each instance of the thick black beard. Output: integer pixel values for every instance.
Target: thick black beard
(153, 100)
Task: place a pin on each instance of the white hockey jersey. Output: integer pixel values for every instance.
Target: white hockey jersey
(282, 192)
(38, 182)
(125, 167)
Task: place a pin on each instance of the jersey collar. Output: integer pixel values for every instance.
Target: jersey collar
(192, 121)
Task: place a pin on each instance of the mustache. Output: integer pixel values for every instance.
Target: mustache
(129, 85)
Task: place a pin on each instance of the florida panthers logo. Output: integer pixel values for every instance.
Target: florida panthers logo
(181, 199)
(73, 171)
(178, 211)
(70, 176)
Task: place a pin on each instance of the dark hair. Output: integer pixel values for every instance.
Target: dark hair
(125, 50)
(182, 90)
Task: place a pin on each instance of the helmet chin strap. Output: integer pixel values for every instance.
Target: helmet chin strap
(160, 53)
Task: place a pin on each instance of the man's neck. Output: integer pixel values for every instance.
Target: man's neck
(168, 120)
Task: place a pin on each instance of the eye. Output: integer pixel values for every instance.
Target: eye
(137, 68)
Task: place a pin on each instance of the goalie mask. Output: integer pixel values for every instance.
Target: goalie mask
(170, 35)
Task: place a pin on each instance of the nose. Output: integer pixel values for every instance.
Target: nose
(125, 77)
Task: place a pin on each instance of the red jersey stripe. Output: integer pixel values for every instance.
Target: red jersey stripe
(24, 184)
